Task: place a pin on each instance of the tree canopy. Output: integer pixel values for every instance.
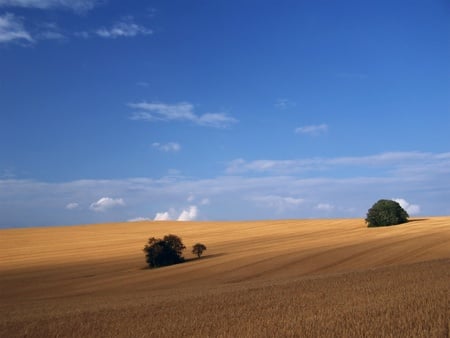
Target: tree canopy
(163, 252)
(198, 249)
(386, 212)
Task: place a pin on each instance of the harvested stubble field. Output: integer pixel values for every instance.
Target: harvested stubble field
(317, 278)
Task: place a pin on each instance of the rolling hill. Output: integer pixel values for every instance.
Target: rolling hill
(329, 277)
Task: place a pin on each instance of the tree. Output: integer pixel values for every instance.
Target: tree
(198, 249)
(175, 243)
(386, 212)
(163, 252)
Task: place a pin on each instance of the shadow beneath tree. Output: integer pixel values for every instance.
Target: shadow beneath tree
(204, 257)
(187, 260)
(417, 220)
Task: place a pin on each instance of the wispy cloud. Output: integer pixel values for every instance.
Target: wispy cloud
(106, 203)
(325, 206)
(13, 30)
(125, 28)
(280, 203)
(407, 162)
(284, 104)
(76, 5)
(421, 179)
(167, 147)
(183, 112)
(7, 173)
(313, 130)
(50, 31)
(72, 206)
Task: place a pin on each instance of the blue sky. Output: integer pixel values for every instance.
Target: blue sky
(221, 110)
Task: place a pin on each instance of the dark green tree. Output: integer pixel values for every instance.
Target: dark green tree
(175, 243)
(386, 212)
(163, 252)
(198, 249)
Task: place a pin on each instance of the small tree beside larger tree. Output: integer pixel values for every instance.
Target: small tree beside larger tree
(386, 212)
(198, 249)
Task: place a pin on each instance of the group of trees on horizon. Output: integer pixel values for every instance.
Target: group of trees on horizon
(169, 249)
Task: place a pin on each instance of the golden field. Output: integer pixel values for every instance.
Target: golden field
(284, 278)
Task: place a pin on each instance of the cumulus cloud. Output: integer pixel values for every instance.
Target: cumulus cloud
(183, 112)
(125, 28)
(313, 130)
(72, 206)
(411, 209)
(189, 214)
(13, 30)
(168, 147)
(106, 203)
(162, 216)
(76, 5)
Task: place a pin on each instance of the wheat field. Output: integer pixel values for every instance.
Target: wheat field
(280, 278)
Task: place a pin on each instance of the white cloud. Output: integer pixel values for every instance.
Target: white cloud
(106, 203)
(415, 176)
(139, 219)
(406, 162)
(12, 29)
(162, 216)
(168, 147)
(183, 111)
(325, 207)
(217, 120)
(125, 28)
(280, 203)
(189, 214)
(313, 130)
(72, 206)
(411, 209)
(76, 5)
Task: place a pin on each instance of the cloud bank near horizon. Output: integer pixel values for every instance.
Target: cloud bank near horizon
(420, 179)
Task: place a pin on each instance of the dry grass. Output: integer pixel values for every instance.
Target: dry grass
(257, 279)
